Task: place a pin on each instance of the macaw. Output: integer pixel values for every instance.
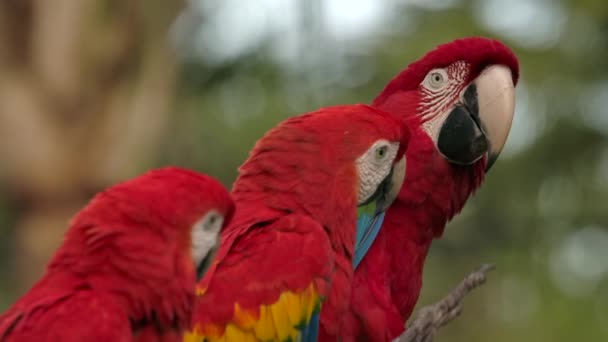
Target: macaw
(128, 264)
(458, 101)
(286, 257)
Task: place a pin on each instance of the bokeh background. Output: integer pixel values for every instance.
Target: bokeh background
(93, 92)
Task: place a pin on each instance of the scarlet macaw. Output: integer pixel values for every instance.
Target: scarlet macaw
(129, 263)
(287, 255)
(458, 101)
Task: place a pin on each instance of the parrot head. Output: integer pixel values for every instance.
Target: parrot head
(463, 92)
(189, 206)
(146, 240)
(320, 162)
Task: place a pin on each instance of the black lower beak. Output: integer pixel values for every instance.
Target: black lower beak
(380, 196)
(492, 158)
(462, 139)
(389, 188)
(205, 264)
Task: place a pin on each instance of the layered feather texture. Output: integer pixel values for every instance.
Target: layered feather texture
(388, 280)
(286, 259)
(125, 265)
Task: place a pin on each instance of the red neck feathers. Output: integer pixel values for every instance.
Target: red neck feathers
(435, 190)
(433, 187)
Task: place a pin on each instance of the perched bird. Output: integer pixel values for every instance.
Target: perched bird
(458, 101)
(287, 256)
(129, 263)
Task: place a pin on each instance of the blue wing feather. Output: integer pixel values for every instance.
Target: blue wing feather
(367, 230)
(368, 227)
(311, 331)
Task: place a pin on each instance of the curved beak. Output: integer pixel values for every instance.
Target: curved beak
(204, 265)
(387, 191)
(391, 186)
(480, 123)
(370, 214)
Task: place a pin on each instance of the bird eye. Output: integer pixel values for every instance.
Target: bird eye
(211, 222)
(205, 237)
(436, 79)
(374, 166)
(381, 152)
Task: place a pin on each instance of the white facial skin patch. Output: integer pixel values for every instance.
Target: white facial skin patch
(374, 166)
(205, 235)
(440, 89)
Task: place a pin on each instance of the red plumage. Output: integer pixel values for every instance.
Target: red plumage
(125, 265)
(478, 52)
(387, 283)
(296, 199)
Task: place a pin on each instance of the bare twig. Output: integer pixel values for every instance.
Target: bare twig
(432, 317)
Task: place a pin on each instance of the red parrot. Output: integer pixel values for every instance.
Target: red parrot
(286, 257)
(458, 101)
(128, 264)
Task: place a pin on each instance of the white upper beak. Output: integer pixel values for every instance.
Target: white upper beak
(496, 99)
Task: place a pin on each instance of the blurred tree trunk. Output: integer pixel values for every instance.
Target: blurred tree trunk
(85, 89)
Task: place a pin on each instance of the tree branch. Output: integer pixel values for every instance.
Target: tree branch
(432, 317)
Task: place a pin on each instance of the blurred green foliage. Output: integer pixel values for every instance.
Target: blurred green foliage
(541, 215)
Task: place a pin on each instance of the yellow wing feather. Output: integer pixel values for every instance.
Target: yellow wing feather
(264, 327)
(281, 319)
(278, 321)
